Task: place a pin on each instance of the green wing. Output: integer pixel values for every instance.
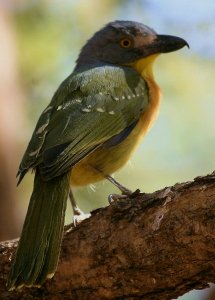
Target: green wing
(89, 108)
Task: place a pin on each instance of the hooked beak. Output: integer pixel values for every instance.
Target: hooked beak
(167, 43)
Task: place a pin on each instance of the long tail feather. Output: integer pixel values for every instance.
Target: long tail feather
(39, 246)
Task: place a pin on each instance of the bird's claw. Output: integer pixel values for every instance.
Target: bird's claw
(79, 216)
(115, 197)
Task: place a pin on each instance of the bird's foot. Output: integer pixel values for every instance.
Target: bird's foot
(79, 216)
(116, 197)
(126, 194)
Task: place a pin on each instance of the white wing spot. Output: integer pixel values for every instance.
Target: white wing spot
(86, 110)
(99, 109)
(33, 153)
(42, 128)
(111, 112)
(59, 107)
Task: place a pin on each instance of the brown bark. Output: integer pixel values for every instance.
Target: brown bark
(211, 294)
(154, 246)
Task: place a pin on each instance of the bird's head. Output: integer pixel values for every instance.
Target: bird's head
(125, 43)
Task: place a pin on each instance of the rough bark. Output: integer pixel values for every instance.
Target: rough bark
(153, 246)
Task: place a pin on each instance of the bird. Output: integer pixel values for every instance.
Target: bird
(94, 122)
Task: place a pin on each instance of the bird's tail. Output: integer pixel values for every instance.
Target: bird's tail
(39, 246)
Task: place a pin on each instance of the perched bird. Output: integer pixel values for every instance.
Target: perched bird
(94, 122)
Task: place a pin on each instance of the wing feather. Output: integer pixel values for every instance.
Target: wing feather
(89, 108)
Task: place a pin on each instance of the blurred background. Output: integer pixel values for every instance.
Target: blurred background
(39, 43)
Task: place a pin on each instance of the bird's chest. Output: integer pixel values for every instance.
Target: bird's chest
(106, 160)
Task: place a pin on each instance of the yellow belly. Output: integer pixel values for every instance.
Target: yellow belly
(105, 161)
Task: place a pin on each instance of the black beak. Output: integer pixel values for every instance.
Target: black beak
(167, 43)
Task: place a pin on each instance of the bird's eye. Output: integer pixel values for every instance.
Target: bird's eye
(125, 43)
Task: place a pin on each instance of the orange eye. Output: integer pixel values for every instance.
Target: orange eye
(125, 43)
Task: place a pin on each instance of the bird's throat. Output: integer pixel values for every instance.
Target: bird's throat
(144, 66)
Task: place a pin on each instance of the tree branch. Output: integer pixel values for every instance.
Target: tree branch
(154, 246)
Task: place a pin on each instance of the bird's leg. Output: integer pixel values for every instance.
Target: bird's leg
(122, 188)
(125, 192)
(78, 214)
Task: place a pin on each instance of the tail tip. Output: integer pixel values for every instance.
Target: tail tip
(49, 276)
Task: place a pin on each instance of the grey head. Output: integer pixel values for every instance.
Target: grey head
(124, 42)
